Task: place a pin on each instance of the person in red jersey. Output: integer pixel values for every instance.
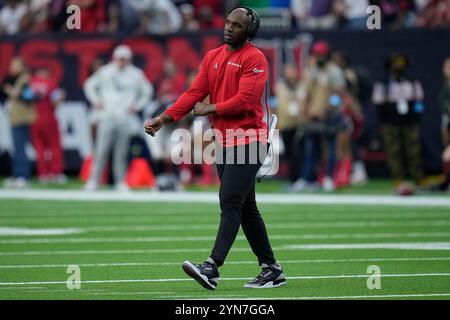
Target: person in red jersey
(234, 76)
(45, 130)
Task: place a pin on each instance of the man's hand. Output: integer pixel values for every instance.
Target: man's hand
(153, 125)
(97, 105)
(133, 109)
(203, 109)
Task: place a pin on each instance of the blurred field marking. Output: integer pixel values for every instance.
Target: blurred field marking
(19, 231)
(162, 212)
(44, 222)
(375, 296)
(292, 247)
(212, 197)
(346, 276)
(132, 264)
(372, 235)
(151, 293)
(128, 293)
(27, 288)
(174, 227)
(305, 225)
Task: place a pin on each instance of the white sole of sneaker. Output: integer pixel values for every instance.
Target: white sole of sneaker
(192, 271)
(268, 285)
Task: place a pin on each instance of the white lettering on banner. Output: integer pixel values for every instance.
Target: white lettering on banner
(74, 128)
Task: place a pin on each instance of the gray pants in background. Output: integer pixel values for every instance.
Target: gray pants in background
(112, 134)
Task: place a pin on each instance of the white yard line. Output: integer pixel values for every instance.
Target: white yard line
(239, 238)
(401, 275)
(5, 231)
(292, 247)
(96, 252)
(374, 296)
(212, 197)
(177, 263)
(304, 225)
(366, 246)
(20, 231)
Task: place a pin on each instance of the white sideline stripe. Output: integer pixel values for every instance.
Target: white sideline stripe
(18, 231)
(346, 246)
(331, 246)
(375, 296)
(212, 197)
(126, 293)
(349, 276)
(239, 238)
(130, 264)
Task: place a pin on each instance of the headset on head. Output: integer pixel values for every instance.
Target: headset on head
(253, 26)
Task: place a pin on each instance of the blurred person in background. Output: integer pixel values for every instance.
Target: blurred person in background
(323, 82)
(435, 14)
(38, 14)
(290, 117)
(217, 6)
(172, 84)
(95, 65)
(118, 91)
(209, 20)
(158, 17)
(21, 114)
(57, 15)
(444, 104)
(352, 13)
(399, 102)
(190, 22)
(315, 14)
(351, 168)
(13, 17)
(397, 13)
(169, 176)
(45, 129)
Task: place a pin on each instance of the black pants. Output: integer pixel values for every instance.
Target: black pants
(238, 207)
(293, 152)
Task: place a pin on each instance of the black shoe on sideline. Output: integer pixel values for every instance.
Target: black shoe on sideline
(270, 277)
(206, 273)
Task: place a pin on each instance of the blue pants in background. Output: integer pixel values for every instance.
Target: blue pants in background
(21, 167)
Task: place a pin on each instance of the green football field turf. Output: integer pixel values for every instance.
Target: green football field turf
(129, 250)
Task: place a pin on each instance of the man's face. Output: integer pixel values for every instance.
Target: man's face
(236, 26)
(290, 73)
(121, 63)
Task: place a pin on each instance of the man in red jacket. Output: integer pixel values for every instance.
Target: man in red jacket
(234, 76)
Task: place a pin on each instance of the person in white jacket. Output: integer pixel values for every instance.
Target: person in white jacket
(117, 91)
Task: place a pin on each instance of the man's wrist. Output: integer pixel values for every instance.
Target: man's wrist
(212, 109)
(165, 118)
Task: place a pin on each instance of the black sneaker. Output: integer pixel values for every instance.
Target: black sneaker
(270, 277)
(206, 273)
